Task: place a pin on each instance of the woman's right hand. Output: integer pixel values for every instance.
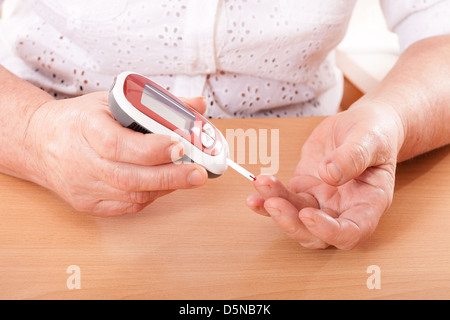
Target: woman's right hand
(100, 167)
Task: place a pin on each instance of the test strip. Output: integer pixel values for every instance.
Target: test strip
(241, 170)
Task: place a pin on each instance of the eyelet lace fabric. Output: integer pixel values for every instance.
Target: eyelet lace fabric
(260, 58)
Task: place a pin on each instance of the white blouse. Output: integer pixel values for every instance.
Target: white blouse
(248, 58)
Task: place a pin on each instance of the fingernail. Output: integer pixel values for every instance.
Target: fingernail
(334, 172)
(196, 178)
(307, 221)
(274, 212)
(250, 201)
(176, 151)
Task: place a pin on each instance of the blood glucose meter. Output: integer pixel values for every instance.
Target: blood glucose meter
(142, 105)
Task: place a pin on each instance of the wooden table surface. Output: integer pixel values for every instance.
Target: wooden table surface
(206, 244)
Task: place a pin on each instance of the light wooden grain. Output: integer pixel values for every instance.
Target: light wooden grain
(206, 244)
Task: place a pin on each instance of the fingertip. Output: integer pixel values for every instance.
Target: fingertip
(274, 212)
(254, 200)
(198, 103)
(198, 176)
(341, 233)
(319, 223)
(267, 186)
(277, 207)
(264, 179)
(272, 206)
(330, 172)
(334, 172)
(308, 221)
(175, 151)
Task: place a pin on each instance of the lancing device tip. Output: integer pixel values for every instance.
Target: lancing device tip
(241, 170)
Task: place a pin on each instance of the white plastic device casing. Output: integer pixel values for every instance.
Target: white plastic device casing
(127, 114)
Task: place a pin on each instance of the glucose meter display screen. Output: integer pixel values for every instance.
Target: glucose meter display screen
(168, 108)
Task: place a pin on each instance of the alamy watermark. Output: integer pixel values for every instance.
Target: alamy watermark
(258, 148)
(374, 280)
(247, 147)
(74, 280)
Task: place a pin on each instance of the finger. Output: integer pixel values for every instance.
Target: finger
(111, 208)
(129, 177)
(139, 197)
(268, 187)
(101, 96)
(112, 141)
(101, 192)
(286, 217)
(341, 232)
(198, 103)
(256, 203)
(349, 160)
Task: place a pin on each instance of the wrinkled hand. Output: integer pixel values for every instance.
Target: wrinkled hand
(100, 167)
(343, 183)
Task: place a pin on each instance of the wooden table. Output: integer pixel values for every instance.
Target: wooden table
(206, 244)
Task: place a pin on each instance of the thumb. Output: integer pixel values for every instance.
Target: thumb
(198, 103)
(348, 161)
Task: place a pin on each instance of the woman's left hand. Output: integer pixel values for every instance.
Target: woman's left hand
(343, 183)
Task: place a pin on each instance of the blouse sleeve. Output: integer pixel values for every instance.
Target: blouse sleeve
(414, 20)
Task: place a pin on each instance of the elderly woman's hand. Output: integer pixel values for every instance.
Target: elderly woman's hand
(100, 167)
(343, 183)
